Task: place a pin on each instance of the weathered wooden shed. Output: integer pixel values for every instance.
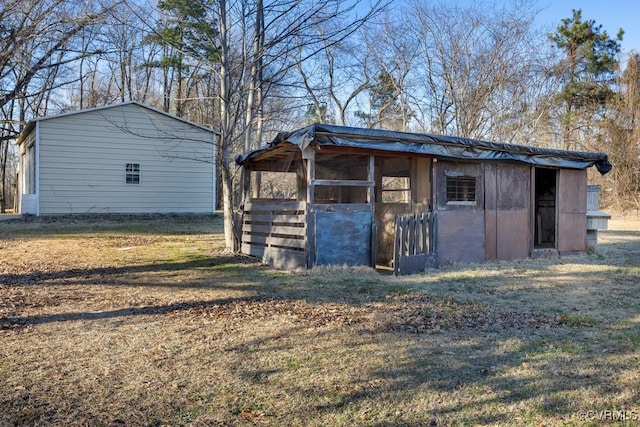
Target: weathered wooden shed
(408, 201)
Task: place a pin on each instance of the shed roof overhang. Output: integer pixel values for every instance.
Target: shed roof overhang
(449, 147)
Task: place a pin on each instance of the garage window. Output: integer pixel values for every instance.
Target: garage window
(132, 173)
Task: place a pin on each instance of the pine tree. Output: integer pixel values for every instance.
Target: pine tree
(588, 69)
(386, 107)
(187, 32)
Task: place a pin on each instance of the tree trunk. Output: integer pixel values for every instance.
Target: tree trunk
(3, 175)
(230, 238)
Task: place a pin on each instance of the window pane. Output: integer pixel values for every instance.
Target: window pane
(341, 166)
(396, 189)
(132, 173)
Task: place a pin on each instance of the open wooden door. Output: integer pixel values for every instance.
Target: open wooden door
(572, 210)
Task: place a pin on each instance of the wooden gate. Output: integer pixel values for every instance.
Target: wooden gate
(413, 251)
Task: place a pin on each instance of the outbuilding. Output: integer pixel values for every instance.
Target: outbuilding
(123, 158)
(409, 201)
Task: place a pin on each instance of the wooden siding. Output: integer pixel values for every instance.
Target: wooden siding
(572, 210)
(507, 211)
(83, 157)
(275, 231)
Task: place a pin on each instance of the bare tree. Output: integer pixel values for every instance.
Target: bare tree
(335, 78)
(480, 68)
(280, 28)
(620, 136)
(47, 28)
(36, 43)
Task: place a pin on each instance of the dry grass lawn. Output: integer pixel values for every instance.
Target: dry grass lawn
(151, 323)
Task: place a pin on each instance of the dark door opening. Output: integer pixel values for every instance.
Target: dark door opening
(545, 208)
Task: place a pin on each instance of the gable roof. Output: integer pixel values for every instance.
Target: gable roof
(32, 123)
(450, 147)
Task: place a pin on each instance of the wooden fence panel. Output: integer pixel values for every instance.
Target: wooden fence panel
(412, 246)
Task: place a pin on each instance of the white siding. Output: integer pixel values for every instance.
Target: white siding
(83, 158)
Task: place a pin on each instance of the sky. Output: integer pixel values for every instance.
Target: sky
(611, 14)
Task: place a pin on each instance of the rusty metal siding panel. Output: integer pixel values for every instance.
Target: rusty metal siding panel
(460, 236)
(343, 236)
(572, 210)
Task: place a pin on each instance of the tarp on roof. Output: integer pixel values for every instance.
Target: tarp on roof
(448, 147)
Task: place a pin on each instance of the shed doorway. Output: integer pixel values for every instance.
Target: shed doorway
(545, 208)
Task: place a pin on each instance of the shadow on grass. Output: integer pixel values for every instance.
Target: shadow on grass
(225, 262)
(475, 376)
(153, 224)
(126, 312)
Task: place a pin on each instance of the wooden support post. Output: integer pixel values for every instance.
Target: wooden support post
(309, 160)
(246, 186)
(371, 199)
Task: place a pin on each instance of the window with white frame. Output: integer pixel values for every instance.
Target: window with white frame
(132, 173)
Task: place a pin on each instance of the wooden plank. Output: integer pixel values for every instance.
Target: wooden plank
(301, 181)
(371, 197)
(274, 241)
(311, 241)
(274, 206)
(270, 229)
(252, 250)
(411, 244)
(411, 231)
(424, 228)
(311, 175)
(491, 234)
(413, 264)
(285, 219)
(397, 254)
(343, 182)
(513, 187)
(403, 237)
(422, 184)
(284, 259)
(277, 257)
